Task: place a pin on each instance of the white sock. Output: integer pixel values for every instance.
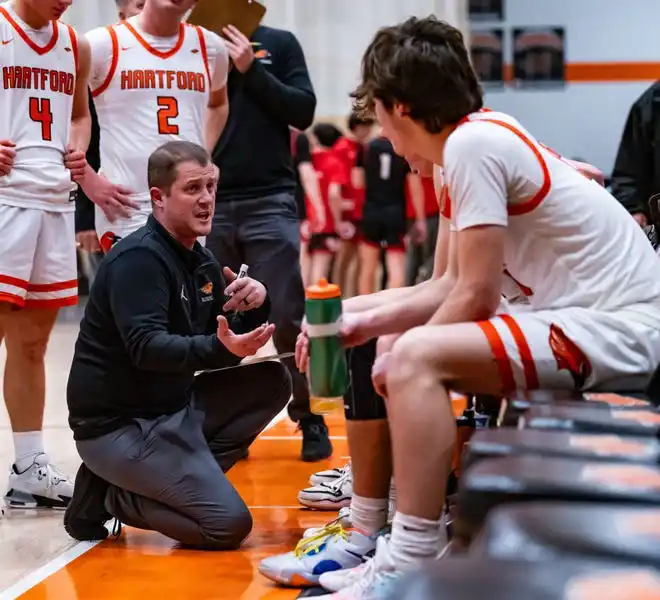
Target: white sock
(391, 510)
(414, 541)
(27, 445)
(368, 515)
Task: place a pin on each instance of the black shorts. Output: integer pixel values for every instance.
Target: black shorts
(384, 228)
(323, 242)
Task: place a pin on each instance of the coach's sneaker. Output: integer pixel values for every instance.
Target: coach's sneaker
(329, 475)
(343, 519)
(86, 515)
(332, 549)
(41, 485)
(376, 579)
(329, 496)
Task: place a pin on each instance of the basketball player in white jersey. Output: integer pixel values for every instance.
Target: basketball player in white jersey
(154, 78)
(589, 273)
(44, 128)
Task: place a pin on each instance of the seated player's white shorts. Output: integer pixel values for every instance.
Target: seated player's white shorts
(575, 348)
(110, 233)
(38, 267)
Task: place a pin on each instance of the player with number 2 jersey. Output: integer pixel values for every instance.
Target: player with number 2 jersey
(148, 90)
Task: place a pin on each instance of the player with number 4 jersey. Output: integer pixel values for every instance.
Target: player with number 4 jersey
(154, 79)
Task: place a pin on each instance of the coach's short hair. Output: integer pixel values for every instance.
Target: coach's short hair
(161, 170)
(424, 65)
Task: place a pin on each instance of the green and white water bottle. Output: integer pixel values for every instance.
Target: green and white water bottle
(328, 371)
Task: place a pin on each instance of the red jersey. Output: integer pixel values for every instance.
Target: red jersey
(347, 151)
(430, 200)
(329, 170)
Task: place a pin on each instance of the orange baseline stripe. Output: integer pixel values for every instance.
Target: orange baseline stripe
(604, 72)
(113, 63)
(529, 367)
(500, 355)
(52, 287)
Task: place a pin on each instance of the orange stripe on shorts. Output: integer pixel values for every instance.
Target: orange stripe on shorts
(529, 367)
(500, 355)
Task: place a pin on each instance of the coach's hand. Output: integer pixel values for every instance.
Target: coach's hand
(7, 155)
(239, 48)
(246, 293)
(112, 199)
(302, 349)
(244, 344)
(88, 240)
(76, 162)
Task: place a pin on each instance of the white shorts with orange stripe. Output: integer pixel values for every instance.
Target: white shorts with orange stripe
(110, 233)
(38, 266)
(575, 348)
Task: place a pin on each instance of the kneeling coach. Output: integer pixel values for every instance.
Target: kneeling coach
(154, 437)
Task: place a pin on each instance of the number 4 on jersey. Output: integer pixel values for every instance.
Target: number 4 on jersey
(40, 113)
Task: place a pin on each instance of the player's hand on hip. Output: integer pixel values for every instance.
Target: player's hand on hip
(244, 344)
(76, 162)
(7, 155)
(239, 48)
(246, 293)
(114, 200)
(88, 240)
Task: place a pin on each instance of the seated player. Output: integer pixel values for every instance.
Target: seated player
(384, 215)
(324, 242)
(350, 150)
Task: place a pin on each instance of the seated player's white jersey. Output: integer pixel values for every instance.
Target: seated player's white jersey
(569, 242)
(148, 91)
(36, 101)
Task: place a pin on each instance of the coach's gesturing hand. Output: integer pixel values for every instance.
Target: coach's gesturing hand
(246, 293)
(244, 344)
(7, 155)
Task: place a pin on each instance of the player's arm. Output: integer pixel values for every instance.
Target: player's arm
(81, 120)
(217, 112)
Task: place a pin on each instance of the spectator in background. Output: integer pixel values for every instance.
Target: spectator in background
(256, 220)
(636, 175)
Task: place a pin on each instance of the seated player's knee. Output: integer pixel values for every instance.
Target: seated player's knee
(385, 343)
(228, 532)
(411, 357)
(361, 401)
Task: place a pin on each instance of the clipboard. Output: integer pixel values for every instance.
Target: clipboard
(245, 15)
(253, 360)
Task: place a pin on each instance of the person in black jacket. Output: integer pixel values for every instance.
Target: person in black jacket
(636, 174)
(256, 219)
(155, 437)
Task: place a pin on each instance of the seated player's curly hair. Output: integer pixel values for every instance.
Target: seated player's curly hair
(424, 65)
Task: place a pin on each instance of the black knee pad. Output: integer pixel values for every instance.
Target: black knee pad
(361, 402)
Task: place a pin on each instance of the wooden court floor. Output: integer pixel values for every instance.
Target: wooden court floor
(39, 561)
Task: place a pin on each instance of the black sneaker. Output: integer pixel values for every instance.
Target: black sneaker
(86, 514)
(316, 443)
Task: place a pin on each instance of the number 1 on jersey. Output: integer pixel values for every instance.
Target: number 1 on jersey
(40, 113)
(168, 109)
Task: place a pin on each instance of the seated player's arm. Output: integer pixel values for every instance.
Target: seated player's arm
(217, 112)
(81, 120)
(139, 299)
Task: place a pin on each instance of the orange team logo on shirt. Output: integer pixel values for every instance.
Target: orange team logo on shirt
(630, 476)
(261, 54)
(642, 584)
(569, 356)
(207, 288)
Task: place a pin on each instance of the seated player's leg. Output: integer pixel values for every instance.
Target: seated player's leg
(335, 548)
(50, 285)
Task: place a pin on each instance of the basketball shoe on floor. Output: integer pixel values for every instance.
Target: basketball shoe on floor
(329, 496)
(41, 485)
(332, 549)
(343, 518)
(329, 475)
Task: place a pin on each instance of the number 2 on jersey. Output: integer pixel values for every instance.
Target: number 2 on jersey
(40, 113)
(168, 109)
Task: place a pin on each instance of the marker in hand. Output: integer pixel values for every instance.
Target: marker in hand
(242, 272)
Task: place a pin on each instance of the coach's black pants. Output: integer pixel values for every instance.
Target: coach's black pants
(168, 474)
(264, 233)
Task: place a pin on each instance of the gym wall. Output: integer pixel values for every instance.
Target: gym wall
(612, 51)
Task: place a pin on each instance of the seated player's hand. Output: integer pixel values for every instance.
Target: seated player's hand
(113, 200)
(88, 240)
(7, 155)
(244, 344)
(379, 373)
(239, 47)
(245, 293)
(354, 329)
(76, 162)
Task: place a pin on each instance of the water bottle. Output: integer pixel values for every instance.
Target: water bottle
(328, 371)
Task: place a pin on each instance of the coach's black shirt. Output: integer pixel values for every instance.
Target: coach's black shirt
(385, 176)
(254, 151)
(149, 325)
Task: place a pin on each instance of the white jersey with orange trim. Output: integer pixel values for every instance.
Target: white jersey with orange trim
(569, 242)
(38, 83)
(148, 91)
